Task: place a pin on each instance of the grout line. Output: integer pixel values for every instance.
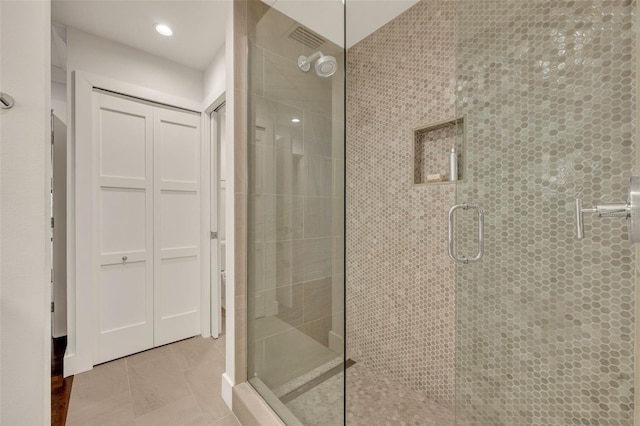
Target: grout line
(126, 369)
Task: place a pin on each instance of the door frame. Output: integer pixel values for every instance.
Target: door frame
(213, 143)
(82, 208)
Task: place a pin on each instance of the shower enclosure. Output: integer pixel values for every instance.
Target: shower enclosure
(296, 220)
(469, 298)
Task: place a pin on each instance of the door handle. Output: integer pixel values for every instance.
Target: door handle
(480, 252)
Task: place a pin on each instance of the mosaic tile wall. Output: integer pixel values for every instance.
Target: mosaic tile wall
(400, 282)
(544, 333)
(545, 323)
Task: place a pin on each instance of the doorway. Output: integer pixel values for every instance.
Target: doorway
(217, 116)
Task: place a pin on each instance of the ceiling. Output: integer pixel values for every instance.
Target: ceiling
(363, 17)
(199, 27)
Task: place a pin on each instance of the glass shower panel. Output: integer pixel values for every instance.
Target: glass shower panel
(544, 321)
(296, 221)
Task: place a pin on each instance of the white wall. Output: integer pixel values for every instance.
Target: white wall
(215, 78)
(24, 253)
(90, 53)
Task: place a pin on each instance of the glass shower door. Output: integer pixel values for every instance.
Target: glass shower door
(296, 218)
(545, 322)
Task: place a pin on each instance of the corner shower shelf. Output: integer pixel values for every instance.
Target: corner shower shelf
(432, 146)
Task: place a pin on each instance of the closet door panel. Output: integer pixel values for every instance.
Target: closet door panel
(177, 209)
(123, 137)
(177, 225)
(180, 147)
(178, 300)
(122, 292)
(123, 144)
(123, 217)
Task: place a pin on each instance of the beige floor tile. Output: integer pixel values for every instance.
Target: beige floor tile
(221, 343)
(192, 352)
(200, 421)
(156, 383)
(205, 383)
(103, 382)
(177, 384)
(115, 411)
(229, 420)
(149, 355)
(183, 412)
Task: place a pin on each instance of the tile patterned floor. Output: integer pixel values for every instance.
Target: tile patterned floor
(372, 399)
(177, 384)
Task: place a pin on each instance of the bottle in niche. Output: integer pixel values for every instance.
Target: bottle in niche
(453, 164)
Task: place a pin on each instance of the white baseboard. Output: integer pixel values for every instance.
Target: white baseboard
(227, 390)
(73, 364)
(68, 365)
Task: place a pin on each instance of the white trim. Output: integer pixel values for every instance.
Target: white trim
(213, 102)
(132, 90)
(214, 142)
(214, 244)
(210, 107)
(227, 390)
(81, 202)
(205, 212)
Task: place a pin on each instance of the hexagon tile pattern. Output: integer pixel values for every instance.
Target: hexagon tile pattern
(544, 324)
(400, 290)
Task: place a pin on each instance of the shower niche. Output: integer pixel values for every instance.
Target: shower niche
(438, 152)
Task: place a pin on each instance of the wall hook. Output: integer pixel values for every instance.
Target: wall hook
(6, 101)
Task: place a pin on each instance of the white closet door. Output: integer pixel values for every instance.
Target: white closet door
(123, 138)
(177, 225)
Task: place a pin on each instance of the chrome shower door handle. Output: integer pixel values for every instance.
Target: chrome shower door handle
(480, 253)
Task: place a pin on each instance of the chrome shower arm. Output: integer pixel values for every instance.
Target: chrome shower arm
(304, 62)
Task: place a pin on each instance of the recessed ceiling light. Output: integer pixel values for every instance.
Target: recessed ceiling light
(163, 29)
(295, 120)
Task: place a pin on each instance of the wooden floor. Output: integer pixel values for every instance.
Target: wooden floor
(60, 388)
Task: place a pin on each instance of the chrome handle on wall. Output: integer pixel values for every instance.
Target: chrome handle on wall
(480, 253)
(6, 101)
(629, 210)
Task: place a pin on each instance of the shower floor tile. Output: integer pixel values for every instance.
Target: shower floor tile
(372, 399)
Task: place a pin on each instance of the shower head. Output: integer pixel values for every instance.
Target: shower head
(325, 66)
